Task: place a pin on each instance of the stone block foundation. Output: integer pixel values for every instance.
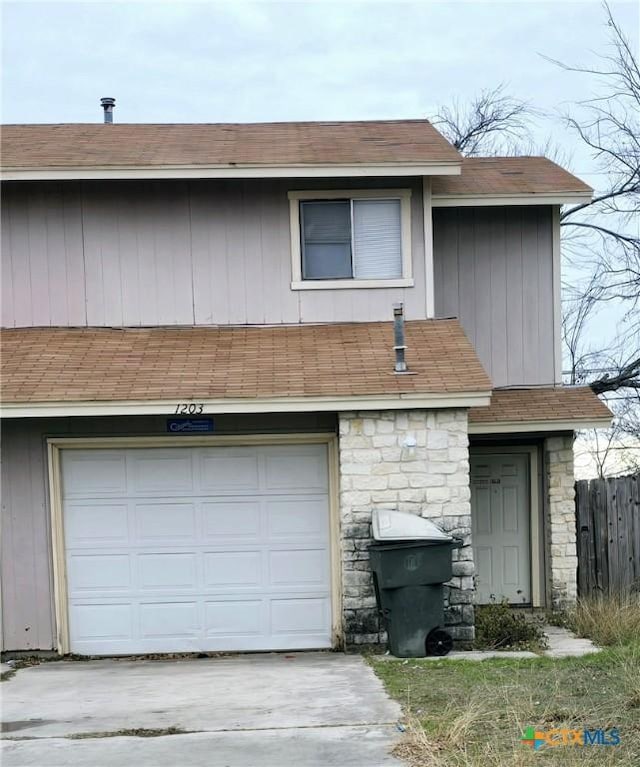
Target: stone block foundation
(415, 461)
(562, 558)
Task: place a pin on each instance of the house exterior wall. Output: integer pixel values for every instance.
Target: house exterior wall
(197, 252)
(561, 521)
(493, 269)
(377, 470)
(209, 252)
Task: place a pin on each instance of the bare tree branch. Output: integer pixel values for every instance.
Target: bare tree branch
(492, 123)
(628, 377)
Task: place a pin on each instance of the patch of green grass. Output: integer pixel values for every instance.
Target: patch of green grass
(472, 714)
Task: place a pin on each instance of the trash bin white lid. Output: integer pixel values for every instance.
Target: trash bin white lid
(391, 525)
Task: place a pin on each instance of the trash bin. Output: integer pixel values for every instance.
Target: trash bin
(410, 562)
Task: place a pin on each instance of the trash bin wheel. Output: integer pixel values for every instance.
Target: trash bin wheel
(439, 642)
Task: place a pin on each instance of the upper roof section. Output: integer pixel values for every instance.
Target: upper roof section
(501, 179)
(291, 149)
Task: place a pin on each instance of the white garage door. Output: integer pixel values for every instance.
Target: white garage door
(197, 549)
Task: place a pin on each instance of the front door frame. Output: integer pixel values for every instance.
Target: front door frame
(56, 444)
(536, 548)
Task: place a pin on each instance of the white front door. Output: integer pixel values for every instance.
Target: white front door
(197, 548)
(501, 526)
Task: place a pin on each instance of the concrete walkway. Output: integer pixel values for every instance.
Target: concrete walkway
(561, 643)
(273, 710)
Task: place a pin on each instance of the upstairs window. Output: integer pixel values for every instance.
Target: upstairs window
(350, 239)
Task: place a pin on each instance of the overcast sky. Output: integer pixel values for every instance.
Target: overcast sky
(313, 60)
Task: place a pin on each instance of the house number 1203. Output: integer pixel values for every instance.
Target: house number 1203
(189, 408)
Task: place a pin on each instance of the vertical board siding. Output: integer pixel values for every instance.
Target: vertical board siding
(608, 521)
(42, 256)
(137, 243)
(144, 253)
(494, 270)
(27, 595)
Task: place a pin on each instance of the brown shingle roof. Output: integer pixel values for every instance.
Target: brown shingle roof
(292, 143)
(70, 364)
(508, 176)
(561, 403)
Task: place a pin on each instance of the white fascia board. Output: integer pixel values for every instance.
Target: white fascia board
(227, 171)
(465, 200)
(517, 427)
(234, 406)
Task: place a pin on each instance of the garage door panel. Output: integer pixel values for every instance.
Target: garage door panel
(102, 622)
(165, 521)
(300, 469)
(229, 470)
(231, 520)
(232, 618)
(93, 473)
(167, 620)
(99, 572)
(223, 569)
(167, 571)
(299, 616)
(159, 471)
(303, 567)
(297, 518)
(197, 549)
(91, 524)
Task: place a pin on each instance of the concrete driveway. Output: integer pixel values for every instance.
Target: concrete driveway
(272, 710)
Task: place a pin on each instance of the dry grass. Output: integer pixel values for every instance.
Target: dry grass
(473, 714)
(608, 621)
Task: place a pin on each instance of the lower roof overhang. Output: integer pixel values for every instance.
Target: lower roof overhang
(529, 427)
(541, 409)
(244, 405)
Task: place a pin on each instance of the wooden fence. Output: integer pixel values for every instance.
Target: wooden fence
(608, 523)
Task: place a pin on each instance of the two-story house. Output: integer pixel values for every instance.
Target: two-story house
(201, 405)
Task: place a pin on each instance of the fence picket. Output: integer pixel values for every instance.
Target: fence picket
(608, 523)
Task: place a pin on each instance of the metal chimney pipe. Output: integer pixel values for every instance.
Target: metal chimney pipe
(108, 103)
(398, 338)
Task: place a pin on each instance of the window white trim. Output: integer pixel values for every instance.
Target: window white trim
(404, 195)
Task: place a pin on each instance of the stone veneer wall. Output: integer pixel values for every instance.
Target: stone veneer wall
(380, 469)
(562, 559)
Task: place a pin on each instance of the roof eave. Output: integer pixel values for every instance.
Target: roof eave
(322, 170)
(539, 198)
(521, 427)
(433, 400)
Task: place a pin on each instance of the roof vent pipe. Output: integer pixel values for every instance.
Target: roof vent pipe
(398, 338)
(108, 103)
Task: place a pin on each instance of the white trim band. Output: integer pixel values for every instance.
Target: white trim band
(474, 200)
(515, 427)
(247, 405)
(229, 171)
